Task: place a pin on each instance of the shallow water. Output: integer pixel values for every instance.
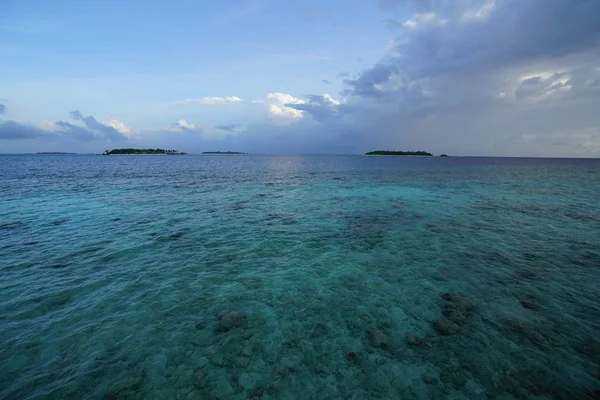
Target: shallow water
(313, 277)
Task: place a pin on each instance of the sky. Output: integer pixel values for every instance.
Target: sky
(462, 77)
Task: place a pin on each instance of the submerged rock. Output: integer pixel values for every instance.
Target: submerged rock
(354, 358)
(445, 327)
(457, 307)
(530, 304)
(533, 333)
(115, 394)
(229, 320)
(378, 338)
(414, 341)
(248, 381)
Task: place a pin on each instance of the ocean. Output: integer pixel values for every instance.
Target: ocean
(299, 277)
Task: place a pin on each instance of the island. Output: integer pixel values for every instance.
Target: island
(141, 151)
(443, 155)
(397, 153)
(53, 152)
(222, 152)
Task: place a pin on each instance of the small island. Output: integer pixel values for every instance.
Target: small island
(53, 152)
(222, 152)
(443, 155)
(142, 151)
(397, 153)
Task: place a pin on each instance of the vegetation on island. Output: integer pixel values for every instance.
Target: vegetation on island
(140, 151)
(397, 153)
(443, 155)
(222, 152)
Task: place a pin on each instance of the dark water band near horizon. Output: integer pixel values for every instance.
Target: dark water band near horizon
(299, 277)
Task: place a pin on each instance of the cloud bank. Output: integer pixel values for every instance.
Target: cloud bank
(88, 129)
(211, 101)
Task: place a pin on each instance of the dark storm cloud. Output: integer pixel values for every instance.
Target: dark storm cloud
(517, 32)
(229, 128)
(507, 77)
(366, 83)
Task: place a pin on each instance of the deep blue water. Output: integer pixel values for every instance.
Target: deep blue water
(309, 277)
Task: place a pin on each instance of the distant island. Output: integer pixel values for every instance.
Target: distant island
(141, 151)
(443, 155)
(397, 153)
(53, 152)
(222, 152)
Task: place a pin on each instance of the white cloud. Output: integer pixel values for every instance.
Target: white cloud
(330, 100)
(276, 103)
(479, 13)
(181, 126)
(210, 100)
(424, 19)
(48, 126)
(184, 124)
(121, 127)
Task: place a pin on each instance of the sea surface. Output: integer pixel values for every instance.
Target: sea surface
(299, 277)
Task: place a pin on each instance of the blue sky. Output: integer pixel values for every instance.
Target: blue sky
(467, 77)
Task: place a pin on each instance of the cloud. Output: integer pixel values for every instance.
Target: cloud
(11, 130)
(473, 76)
(75, 131)
(228, 128)
(323, 108)
(184, 126)
(121, 127)
(94, 129)
(481, 12)
(210, 100)
(422, 20)
(90, 130)
(279, 107)
(2, 109)
(370, 81)
(326, 81)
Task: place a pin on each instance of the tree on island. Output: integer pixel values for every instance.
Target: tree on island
(397, 153)
(140, 151)
(223, 152)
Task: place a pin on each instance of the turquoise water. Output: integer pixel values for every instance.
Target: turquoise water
(308, 277)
